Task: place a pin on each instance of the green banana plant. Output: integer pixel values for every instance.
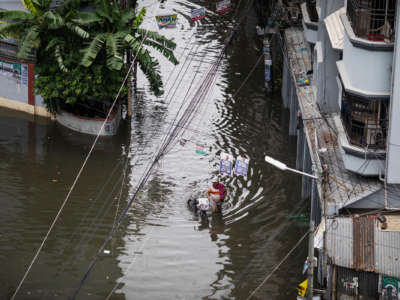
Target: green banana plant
(40, 27)
(114, 31)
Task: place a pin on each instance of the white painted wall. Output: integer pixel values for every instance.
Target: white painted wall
(368, 71)
(12, 5)
(325, 74)
(393, 147)
(309, 34)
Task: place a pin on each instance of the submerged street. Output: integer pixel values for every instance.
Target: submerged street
(161, 251)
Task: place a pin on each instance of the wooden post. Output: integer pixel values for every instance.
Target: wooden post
(129, 100)
(334, 275)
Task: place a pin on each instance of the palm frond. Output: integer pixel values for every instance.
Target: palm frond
(69, 5)
(54, 20)
(30, 5)
(149, 67)
(12, 30)
(60, 60)
(78, 30)
(15, 15)
(53, 43)
(86, 18)
(133, 43)
(126, 18)
(113, 49)
(139, 18)
(168, 54)
(91, 52)
(29, 42)
(104, 9)
(165, 42)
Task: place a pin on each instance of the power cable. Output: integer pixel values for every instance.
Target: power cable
(78, 175)
(162, 151)
(277, 266)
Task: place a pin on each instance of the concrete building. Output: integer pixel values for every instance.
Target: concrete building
(17, 77)
(341, 84)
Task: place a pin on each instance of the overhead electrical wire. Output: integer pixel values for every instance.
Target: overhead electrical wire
(79, 173)
(173, 132)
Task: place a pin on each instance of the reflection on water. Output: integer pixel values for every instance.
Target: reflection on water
(161, 250)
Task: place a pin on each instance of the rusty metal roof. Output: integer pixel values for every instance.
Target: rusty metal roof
(359, 243)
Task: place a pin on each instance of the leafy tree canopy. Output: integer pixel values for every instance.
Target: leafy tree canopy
(80, 53)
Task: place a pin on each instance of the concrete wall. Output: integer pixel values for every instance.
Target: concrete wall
(368, 71)
(12, 5)
(325, 72)
(393, 147)
(17, 4)
(17, 87)
(90, 125)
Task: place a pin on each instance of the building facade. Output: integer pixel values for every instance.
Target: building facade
(348, 116)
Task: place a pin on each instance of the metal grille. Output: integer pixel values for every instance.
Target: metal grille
(352, 282)
(372, 19)
(365, 121)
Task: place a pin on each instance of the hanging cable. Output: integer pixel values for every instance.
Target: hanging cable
(277, 266)
(78, 175)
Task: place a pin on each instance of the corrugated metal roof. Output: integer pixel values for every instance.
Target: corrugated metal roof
(335, 28)
(339, 241)
(387, 252)
(358, 243)
(363, 244)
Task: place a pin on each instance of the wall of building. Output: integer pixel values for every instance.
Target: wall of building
(393, 146)
(367, 71)
(17, 87)
(324, 64)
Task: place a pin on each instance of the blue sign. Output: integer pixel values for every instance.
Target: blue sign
(241, 166)
(226, 164)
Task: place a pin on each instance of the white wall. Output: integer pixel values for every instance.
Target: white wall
(310, 35)
(393, 147)
(368, 71)
(11, 4)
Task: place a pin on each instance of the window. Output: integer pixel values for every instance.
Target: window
(365, 121)
(372, 19)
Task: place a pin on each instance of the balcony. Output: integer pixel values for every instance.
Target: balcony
(362, 132)
(365, 121)
(372, 20)
(310, 21)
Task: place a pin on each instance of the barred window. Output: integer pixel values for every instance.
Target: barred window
(365, 121)
(372, 19)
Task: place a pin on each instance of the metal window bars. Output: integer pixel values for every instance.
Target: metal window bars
(372, 19)
(365, 121)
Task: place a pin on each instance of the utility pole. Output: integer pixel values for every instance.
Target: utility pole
(310, 268)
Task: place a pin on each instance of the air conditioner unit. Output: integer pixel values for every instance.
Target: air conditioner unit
(374, 134)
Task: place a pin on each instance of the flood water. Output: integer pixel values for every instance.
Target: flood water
(161, 250)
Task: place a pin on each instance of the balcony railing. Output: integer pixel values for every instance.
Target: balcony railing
(372, 19)
(312, 10)
(365, 121)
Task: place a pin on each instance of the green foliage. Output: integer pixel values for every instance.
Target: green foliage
(79, 84)
(114, 32)
(80, 54)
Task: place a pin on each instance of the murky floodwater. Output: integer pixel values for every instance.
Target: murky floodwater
(161, 250)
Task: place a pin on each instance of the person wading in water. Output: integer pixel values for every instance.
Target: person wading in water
(216, 194)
